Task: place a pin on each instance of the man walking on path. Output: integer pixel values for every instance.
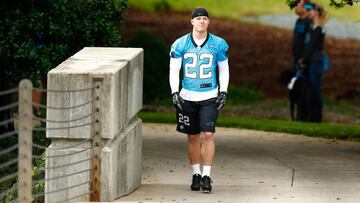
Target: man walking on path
(198, 54)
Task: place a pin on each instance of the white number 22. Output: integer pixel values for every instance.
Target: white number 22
(202, 67)
(184, 119)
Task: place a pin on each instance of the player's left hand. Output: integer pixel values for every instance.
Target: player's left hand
(221, 100)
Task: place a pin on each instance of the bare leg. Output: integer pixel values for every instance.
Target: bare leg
(194, 149)
(208, 148)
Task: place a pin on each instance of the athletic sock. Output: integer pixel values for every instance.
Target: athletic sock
(196, 169)
(206, 171)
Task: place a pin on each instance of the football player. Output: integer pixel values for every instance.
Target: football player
(198, 55)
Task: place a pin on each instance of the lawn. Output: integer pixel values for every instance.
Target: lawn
(340, 119)
(325, 130)
(236, 9)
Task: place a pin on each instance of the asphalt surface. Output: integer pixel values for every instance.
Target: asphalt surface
(251, 167)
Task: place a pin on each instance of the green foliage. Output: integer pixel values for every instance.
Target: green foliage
(291, 3)
(247, 93)
(36, 36)
(334, 3)
(342, 3)
(238, 9)
(9, 184)
(38, 173)
(337, 4)
(10, 196)
(156, 64)
(157, 117)
(332, 131)
(38, 188)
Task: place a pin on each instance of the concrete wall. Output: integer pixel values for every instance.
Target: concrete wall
(119, 74)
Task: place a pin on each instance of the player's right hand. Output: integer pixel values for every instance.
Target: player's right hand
(177, 100)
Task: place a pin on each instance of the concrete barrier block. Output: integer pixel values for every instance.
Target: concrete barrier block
(57, 99)
(119, 74)
(135, 87)
(74, 105)
(108, 53)
(64, 178)
(135, 58)
(113, 101)
(121, 159)
(82, 74)
(134, 161)
(82, 103)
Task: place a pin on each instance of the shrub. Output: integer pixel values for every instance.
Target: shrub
(156, 64)
(244, 94)
(37, 35)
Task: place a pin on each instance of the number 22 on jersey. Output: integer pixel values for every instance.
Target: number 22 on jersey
(203, 68)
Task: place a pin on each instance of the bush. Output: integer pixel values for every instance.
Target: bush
(38, 188)
(247, 93)
(156, 65)
(38, 173)
(37, 35)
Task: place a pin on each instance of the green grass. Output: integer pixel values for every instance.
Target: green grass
(248, 106)
(326, 130)
(235, 9)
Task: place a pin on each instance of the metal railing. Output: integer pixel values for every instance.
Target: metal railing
(9, 145)
(22, 162)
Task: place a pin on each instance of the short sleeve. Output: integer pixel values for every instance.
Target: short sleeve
(176, 49)
(223, 52)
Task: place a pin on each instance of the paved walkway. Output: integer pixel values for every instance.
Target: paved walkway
(251, 167)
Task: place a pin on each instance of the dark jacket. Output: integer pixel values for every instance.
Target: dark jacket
(302, 26)
(314, 46)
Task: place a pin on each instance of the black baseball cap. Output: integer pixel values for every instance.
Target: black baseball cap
(199, 12)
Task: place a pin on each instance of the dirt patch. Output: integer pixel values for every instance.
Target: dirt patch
(257, 53)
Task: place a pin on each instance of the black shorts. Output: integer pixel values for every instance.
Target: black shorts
(197, 117)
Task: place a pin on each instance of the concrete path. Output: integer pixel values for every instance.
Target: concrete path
(251, 167)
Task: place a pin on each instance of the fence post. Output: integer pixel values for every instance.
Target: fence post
(25, 142)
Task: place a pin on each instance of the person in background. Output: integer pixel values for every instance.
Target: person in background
(297, 87)
(312, 61)
(302, 26)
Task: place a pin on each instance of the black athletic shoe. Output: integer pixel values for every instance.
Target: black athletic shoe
(195, 186)
(206, 184)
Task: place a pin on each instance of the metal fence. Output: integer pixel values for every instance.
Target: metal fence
(24, 143)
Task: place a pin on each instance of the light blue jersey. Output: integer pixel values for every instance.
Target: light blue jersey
(199, 63)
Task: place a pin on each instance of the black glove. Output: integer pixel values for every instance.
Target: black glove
(221, 100)
(177, 100)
